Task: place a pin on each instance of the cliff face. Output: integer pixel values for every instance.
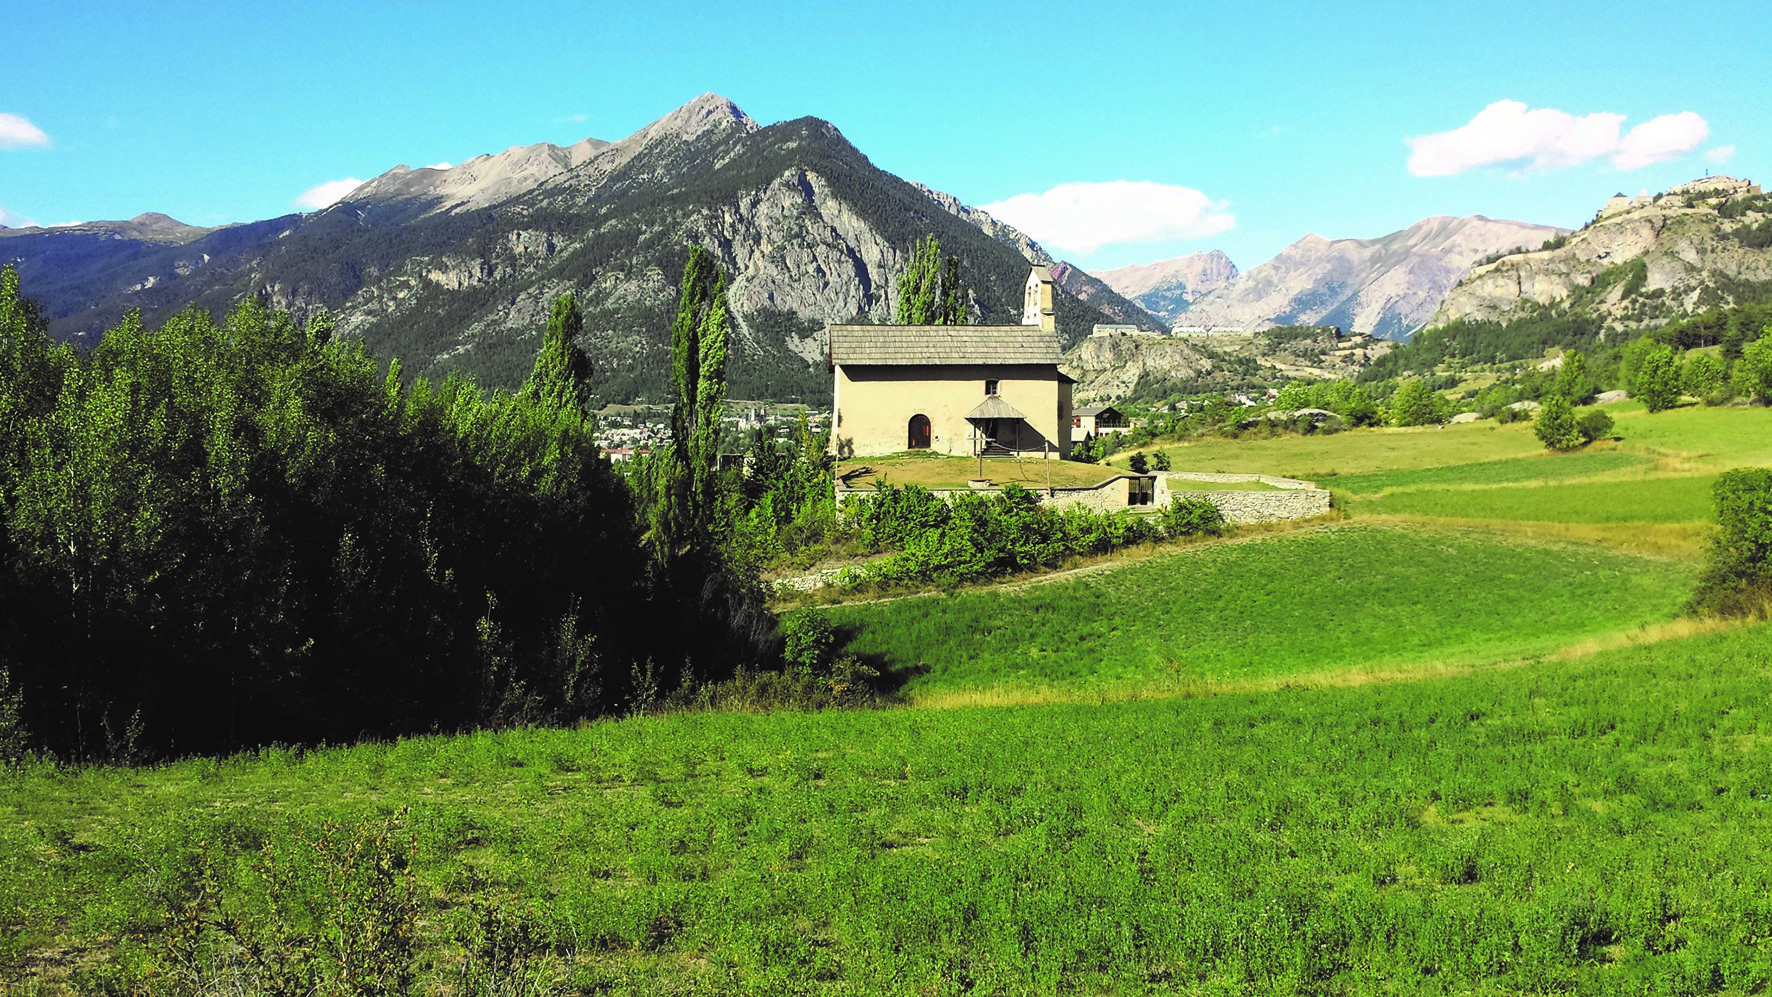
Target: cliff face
(1641, 260)
(1385, 287)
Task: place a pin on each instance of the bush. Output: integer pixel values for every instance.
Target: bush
(1737, 578)
(1593, 426)
(1753, 374)
(14, 738)
(1416, 404)
(1555, 426)
(1160, 461)
(1188, 517)
(807, 641)
(1139, 464)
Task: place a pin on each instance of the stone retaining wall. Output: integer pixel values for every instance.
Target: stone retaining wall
(1266, 479)
(1294, 499)
(1268, 507)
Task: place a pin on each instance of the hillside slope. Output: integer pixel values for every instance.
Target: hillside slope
(1642, 260)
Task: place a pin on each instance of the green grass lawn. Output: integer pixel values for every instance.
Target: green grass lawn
(1594, 826)
(953, 472)
(1617, 503)
(1339, 598)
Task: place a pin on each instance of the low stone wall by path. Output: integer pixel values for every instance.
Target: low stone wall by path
(1268, 507)
(1266, 479)
(1293, 499)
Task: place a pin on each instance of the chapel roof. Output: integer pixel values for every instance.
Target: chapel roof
(912, 345)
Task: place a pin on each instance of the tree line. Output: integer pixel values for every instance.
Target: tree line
(215, 534)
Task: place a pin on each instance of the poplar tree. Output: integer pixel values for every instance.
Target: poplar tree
(562, 374)
(700, 336)
(929, 291)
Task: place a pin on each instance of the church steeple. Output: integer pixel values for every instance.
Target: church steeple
(1038, 306)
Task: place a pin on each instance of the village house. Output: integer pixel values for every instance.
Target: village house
(1090, 421)
(961, 390)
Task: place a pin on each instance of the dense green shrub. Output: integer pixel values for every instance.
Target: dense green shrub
(1737, 578)
(1594, 425)
(1555, 424)
(807, 641)
(979, 535)
(1416, 404)
(1191, 516)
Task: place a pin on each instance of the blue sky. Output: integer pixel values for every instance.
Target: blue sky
(1113, 132)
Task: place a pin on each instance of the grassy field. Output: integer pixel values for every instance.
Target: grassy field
(1337, 598)
(953, 472)
(1459, 742)
(1583, 826)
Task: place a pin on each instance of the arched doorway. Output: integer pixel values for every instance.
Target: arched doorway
(919, 432)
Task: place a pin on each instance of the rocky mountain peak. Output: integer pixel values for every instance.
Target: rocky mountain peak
(1166, 288)
(706, 113)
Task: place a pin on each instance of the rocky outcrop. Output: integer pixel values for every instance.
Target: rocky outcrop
(1642, 260)
(1386, 287)
(1167, 288)
(1108, 368)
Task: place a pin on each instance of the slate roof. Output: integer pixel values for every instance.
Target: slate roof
(909, 345)
(1095, 410)
(994, 407)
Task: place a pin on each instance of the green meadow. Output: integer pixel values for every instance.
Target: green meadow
(1458, 740)
(1348, 596)
(1594, 826)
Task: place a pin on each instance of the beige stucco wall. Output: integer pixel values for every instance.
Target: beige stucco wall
(874, 406)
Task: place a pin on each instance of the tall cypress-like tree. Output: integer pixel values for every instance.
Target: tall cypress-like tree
(929, 291)
(562, 374)
(699, 344)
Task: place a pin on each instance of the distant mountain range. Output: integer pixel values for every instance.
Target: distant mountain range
(1387, 287)
(1168, 288)
(455, 269)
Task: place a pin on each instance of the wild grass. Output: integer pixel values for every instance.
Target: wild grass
(1280, 605)
(1585, 826)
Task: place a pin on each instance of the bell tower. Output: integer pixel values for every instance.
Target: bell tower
(1037, 304)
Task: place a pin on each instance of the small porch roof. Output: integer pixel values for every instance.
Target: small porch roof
(994, 407)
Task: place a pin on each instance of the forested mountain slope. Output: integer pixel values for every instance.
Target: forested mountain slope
(455, 269)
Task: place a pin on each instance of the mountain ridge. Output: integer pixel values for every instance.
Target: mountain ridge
(1388, 286)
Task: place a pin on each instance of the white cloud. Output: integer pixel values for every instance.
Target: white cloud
(12, 219)
(444, 165)
(1083, 217)
(326, 194)
(17, 132)
(1660, 139)
(1508, 133)
(1721, 154)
